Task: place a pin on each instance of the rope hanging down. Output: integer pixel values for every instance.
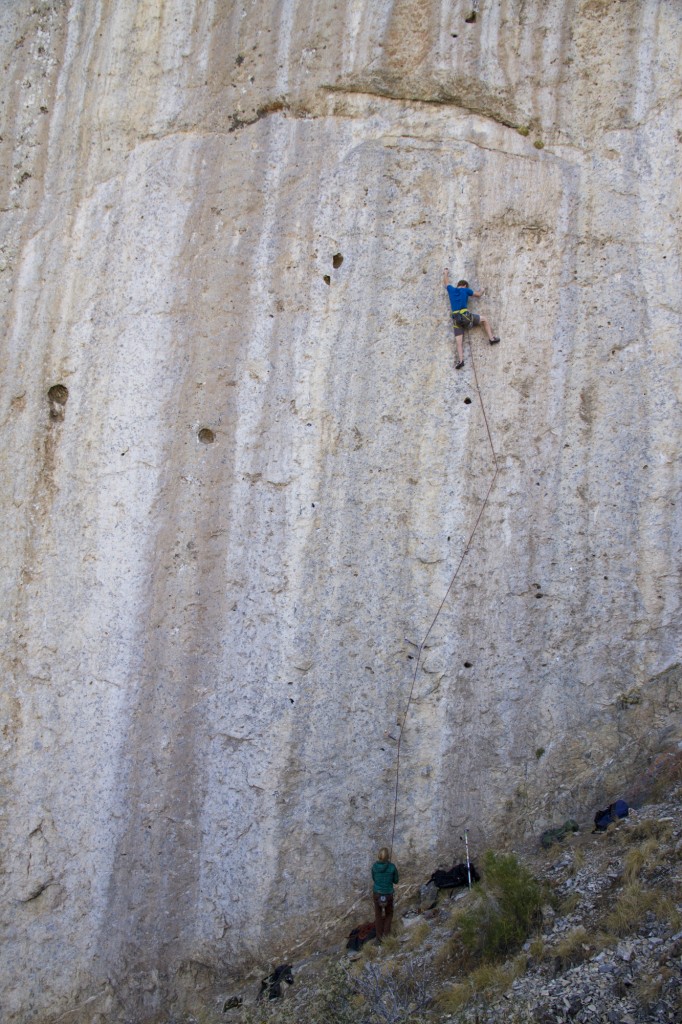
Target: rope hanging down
(445, 597)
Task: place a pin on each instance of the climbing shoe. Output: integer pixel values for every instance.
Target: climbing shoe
(494, 341)
(458, 366)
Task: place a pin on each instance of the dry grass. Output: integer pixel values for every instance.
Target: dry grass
(649, 990)
(489, 980)
(370, 950)
(646, 855)
(453, 999)
(389, 945)
(652, 828)
(573, 948)
(668, 909)
(631, 908)
(578, 861)
(569, 904)
(452, 951)
(418, 934)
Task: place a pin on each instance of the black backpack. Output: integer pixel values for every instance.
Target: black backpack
(456, 876)
(613, 812)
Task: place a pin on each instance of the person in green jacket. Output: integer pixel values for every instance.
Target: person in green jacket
(384, 876)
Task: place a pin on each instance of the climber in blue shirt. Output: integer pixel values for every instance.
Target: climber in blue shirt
(462, 318)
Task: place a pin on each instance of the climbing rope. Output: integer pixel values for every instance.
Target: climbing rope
(467, 546)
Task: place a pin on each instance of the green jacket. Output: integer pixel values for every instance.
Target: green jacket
(384, 874)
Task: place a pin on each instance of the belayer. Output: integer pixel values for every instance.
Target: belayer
(384, 875)
(463, 318)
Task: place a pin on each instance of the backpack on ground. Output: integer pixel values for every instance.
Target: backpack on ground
(360, 935)
(613, 812)
(455, 877)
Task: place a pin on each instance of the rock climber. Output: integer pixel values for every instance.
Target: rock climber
(462, 318)
(384, 875)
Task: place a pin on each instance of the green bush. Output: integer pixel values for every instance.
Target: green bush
(507, 910)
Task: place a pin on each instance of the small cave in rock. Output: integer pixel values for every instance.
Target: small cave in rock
(337, 260)
(206, 435)
(471, 18)
(468, 664)
(57, 396)
(327, 279)
(467, 401)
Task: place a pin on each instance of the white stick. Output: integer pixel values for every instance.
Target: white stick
(466, 843)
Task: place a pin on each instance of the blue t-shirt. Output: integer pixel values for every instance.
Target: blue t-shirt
(459, 297)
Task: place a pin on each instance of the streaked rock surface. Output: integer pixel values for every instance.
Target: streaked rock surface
(223, 233)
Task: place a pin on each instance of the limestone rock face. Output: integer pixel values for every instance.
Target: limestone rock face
(239, 471)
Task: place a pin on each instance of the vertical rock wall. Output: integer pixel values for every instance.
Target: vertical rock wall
(239, 469)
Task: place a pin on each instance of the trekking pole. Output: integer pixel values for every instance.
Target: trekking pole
(466, 843)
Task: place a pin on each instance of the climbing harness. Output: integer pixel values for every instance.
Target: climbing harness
(420, 647)
(463, 317)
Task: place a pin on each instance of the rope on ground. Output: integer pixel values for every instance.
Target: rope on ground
(405, 890)
(445, 597)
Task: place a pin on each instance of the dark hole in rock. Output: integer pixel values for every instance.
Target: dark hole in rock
(327, 279)
(454, 35)
(291, 700)
(410, 657)
(206, 436)
(337, 260)
(467, 401)
(539, 595)
(57, 396)
(471, 19)
(468, 664)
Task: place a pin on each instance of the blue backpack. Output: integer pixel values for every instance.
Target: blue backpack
(613, 812)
